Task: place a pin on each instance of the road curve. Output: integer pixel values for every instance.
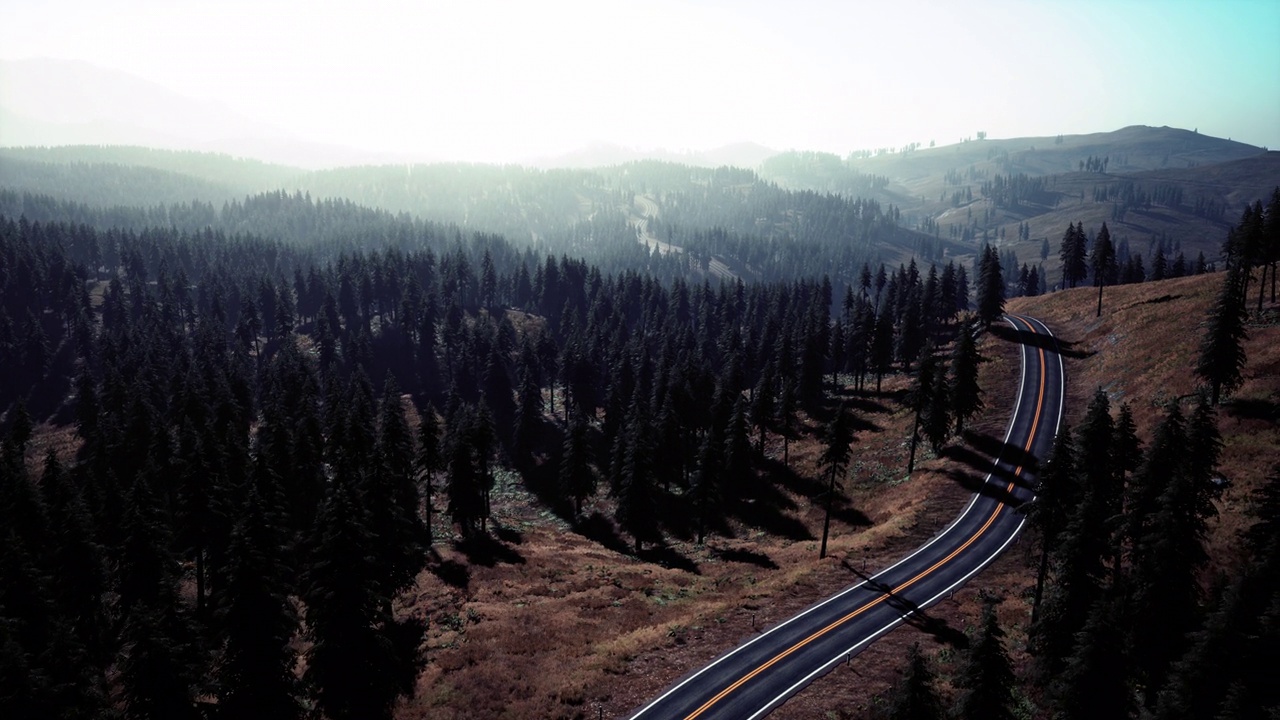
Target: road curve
(759, 675)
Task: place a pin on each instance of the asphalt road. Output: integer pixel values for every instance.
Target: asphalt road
(761, 674)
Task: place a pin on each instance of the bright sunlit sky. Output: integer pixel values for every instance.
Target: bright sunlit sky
(486, 80)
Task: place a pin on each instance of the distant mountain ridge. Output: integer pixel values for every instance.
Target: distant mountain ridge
(744, 155)
(47, 102)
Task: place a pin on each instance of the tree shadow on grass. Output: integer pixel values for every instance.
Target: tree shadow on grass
(748, 557)
(765, 514)
(484, 549)
(776, 472)
(452, 573)
(508, 535)
(769, 509)
(539, 469)
(863, 404)
(1253, 409)
(668, 557)
(598, 528)
(845, 512)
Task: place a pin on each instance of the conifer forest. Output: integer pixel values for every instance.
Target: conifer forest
(261, 418)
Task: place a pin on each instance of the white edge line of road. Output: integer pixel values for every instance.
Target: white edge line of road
(844, 655)
(972, 501)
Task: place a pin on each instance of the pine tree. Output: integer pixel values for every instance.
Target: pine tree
(1217, 654)
(465, 488)
(914, 697)
(80, 580)
(737, 449)
(352, 665)
(1222, 359)
(763, 404)
(786, 416)
(155, 671)
(935, 423)
(390, 494)
(428, 460)
(986, 676)
(1072, 252)
(577, 481)
(966, 395)
(837, 439)
(255, 675)
(928, 401)
(1057, 493)
(990, 287)
(1096, 467)
(635, 490)
(528, 407)
(1093, 684)
(1077, 583)
(1167, 556)
(1103, 262)
(708, 486)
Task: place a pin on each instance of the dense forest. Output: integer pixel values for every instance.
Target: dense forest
(273, 408)
(253, 419)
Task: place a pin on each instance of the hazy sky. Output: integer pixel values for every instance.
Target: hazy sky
(486, 80)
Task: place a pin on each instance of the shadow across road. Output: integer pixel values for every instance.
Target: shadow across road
(1065, 348)
(980, 451)
(913, 615)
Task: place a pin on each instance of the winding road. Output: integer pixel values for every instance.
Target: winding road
(758, 676)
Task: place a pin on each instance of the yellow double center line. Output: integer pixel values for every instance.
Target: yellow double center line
(1035, 423)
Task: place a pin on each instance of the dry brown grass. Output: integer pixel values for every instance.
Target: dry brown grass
(1143, 352)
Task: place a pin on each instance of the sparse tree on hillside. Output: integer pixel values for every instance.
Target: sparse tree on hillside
(966, 395)
(1103, 262)
(1073, 251)
(1222, 358)
(837, 438)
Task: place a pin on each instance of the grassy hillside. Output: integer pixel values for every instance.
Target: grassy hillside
(1150, 185)
(1140, 351)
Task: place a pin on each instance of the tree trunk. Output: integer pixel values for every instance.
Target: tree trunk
(200, 582)
(826, 522)
(1262, 287)
(426, 507)
(1099, 299)
(915, 439)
